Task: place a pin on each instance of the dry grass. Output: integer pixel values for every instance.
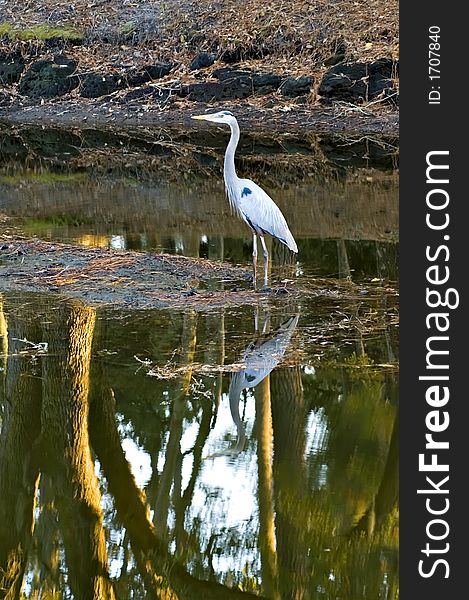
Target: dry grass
(99, 276)
(291, 37)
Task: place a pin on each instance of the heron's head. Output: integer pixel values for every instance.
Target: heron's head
(225, 117)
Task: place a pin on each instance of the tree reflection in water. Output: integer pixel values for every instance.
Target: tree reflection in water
(74, 522)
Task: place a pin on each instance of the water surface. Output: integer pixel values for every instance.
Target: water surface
(203, 452)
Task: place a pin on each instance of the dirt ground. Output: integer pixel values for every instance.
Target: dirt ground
(334, 119)
(138, 280)
(301, 38)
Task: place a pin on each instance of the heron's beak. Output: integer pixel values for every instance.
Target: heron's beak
(200, 117)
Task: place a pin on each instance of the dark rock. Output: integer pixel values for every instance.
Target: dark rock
(344, 82)
(94, 85)
(258, 83)
(139, 94)
(62, 42)
(296, 86)
(11, 67)
(227, 73)
(134, 78)
(240, 53)
(358, 82)
(233, 84)
(211, 92)
(381, 73)
(49, 78)
(256, 80)
(158, 70)
(202, 61)
(153, 94)
(148, 73)
(265, 83)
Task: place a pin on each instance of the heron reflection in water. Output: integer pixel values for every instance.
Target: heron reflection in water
(260, 357)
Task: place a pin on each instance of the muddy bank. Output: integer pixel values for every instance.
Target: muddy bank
(289, 67)
(115, 111)
(135, 280)
(121, 279)
(99, 276)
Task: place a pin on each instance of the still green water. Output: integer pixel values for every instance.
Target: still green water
(241, 452)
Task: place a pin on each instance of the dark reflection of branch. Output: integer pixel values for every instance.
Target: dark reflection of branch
(66, 450)
(215, 352)
(129, 500)
(183, 501)
(342, 259)
(163, 576)
(261, 356)
(382, 271)
(19, 469)
(284, 261)
(173, 449)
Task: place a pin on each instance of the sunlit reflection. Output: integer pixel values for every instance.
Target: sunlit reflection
(118, 242)
(139, 460)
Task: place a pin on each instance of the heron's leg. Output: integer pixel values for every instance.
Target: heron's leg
(254, 257)
(266, 260)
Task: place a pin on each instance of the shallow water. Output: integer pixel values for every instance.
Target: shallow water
(255, 447)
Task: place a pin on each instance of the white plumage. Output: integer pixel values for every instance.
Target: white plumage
(265, 214)
(261, 357)
(249, 200)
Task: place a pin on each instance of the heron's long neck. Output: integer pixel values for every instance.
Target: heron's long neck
(234, 394)
(229, 170)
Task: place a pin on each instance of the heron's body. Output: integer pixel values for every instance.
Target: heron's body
(261, 357)
(248, 200)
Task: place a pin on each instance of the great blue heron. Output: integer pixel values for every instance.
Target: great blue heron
(249, 200)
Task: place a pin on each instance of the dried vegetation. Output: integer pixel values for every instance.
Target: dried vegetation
(296, 38)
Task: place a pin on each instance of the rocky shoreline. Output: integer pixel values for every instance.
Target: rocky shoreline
(53, 91)
(71, 77)
(40, 78)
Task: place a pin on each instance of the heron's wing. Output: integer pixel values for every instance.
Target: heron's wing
(267, 352)
(264, 354)
(261, 212)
